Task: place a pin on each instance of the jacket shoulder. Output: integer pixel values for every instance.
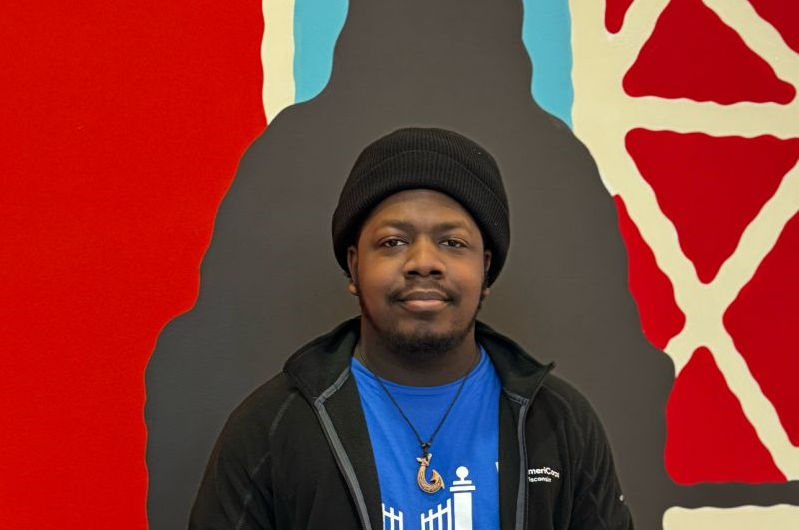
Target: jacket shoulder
(575, 407)
(562, 391)
(246, 436)
(263, 407)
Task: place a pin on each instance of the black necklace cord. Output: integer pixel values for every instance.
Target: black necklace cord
(425, 446)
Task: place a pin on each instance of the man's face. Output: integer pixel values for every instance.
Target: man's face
(419, 271)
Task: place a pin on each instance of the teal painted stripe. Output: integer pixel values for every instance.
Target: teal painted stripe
(546, 32)
(317, 25)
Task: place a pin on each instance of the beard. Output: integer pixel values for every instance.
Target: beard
(420, 344)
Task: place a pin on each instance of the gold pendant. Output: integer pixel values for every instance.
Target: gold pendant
(436, 482)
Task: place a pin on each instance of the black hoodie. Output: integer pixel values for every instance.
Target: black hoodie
(296, 453)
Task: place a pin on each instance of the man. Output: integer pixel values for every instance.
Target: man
(415, 415)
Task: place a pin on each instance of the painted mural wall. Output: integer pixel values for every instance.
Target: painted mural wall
(124, 128)
(689, 109)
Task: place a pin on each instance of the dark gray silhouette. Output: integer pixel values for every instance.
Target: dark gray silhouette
(270, 282)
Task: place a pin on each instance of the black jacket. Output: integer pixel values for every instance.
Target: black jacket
(296, 454)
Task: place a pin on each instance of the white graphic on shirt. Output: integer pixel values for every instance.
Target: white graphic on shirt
(454, 514)
(462, 499)
(439, 519)
(393, 518)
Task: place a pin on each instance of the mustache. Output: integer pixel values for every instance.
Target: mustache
(397, 295)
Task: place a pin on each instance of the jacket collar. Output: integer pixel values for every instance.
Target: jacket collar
(519, 373)
(318, 365)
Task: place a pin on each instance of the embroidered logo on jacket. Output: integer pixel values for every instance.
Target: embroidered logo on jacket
(542, 474)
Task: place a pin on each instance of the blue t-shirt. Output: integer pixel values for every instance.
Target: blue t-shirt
(464, 450)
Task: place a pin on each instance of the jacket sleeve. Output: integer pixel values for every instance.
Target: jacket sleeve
(233, 494)
(237, 489)
(598, 500)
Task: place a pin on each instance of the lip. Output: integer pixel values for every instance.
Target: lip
(422, 296)
(424, 301)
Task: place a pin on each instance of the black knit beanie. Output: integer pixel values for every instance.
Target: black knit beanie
(433, 159)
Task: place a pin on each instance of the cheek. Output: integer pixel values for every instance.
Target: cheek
(372, 285)
(471, 278)
(376, 272)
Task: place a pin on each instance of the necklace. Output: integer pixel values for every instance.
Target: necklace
(436, 482)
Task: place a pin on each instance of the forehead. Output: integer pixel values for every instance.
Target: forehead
(421, 208)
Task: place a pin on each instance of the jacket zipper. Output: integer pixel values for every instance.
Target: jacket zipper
(524, 407)
(521, 499)
(342, 459)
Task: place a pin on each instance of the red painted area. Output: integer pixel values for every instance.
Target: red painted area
(614, 14)
(661, 318)
(763, 323)
(710, 187)
(693, 54)
(122, 127)
(784, 16)
(709, 438)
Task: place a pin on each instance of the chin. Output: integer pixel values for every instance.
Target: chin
(425, 340)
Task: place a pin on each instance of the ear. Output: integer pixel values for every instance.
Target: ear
(352, 266)
(486, 266)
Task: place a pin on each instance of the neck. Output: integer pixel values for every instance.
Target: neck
(411, 369)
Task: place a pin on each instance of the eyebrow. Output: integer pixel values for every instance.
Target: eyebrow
(410, 227)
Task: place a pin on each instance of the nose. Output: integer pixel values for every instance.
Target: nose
(424, 259)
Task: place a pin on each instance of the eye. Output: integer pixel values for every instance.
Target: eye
(392, 242)
(454, 243)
